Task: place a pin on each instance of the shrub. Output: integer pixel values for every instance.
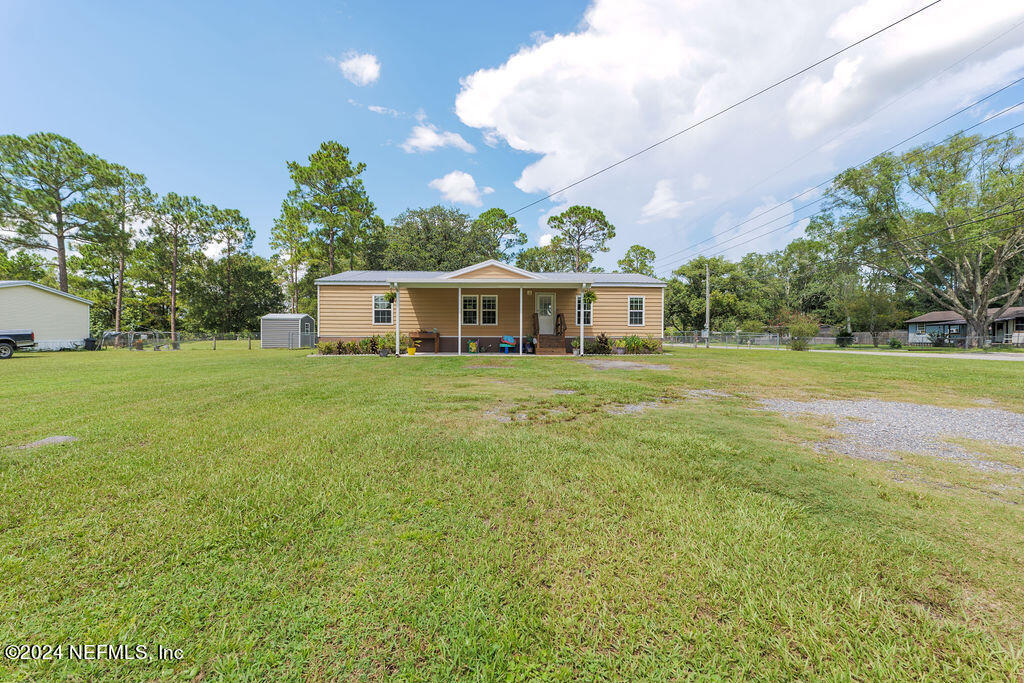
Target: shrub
(895, 343)
(844, 340)
(633, 343)
(592, 347)
(325, 348)
(652, 345)
(366, 345)
(603, 344)
(752, 326)
(801, 328)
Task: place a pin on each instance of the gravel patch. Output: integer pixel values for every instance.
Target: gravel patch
(631, 408)
(706, 393)
(604, 364)
(880, 430)
(48, 441)
(563, 392)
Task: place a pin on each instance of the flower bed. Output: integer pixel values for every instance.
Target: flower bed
(367, 346)
(633, 344)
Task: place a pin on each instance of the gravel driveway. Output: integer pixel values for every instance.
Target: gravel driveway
(880, 430)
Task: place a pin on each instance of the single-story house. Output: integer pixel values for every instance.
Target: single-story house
(487, 301)
(286, 330)
(950, 326)
(58, 319)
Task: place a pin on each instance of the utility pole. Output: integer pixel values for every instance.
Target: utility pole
(707, 306)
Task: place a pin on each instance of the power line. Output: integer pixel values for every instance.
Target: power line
(838, 135)
(884, 151)
(977, 220)
(795, 222)
(730, 107)
(672, 260)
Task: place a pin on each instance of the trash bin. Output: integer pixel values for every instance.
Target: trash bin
(90, 344)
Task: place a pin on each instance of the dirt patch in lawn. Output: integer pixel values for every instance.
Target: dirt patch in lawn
(48, 441)
(881, 430)
(606, 364)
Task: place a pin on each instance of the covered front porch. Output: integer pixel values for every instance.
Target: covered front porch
(504, 319)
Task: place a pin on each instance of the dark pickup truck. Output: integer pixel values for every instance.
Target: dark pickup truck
(15, 339)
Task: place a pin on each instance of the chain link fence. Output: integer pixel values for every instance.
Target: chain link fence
(159, 340)
(726, 339)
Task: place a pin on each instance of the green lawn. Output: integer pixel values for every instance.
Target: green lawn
(284, 517)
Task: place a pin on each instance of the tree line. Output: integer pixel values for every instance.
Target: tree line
(935, 227)
(80, 223)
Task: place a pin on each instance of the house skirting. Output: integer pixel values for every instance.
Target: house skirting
(487, 344)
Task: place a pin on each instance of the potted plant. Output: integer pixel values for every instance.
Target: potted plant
(589, 296)
(575, 346)
(391, 295)
(619, 346)
(411, 349)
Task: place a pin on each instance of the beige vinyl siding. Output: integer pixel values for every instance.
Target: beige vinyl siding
(611, 312)
(491, 272)
(52, 317)
(347, 310)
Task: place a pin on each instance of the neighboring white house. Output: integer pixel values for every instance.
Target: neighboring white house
(59, 320)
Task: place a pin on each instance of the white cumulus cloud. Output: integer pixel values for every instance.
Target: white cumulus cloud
(426, 137)
(460, 187)
(637, 71)
(359, 68)
(663, 203)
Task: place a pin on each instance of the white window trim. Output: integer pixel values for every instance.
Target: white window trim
(480, 310)
(578, 315)
(643, 311)
(374, 309)
(462, 309)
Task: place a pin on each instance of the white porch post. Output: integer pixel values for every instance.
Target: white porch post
(582, 319)
(520, 321)
(397, 316)
(460, 320)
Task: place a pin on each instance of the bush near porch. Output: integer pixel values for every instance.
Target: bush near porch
(367, 346)
(633, 344)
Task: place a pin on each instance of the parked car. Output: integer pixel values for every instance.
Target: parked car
(15, 339)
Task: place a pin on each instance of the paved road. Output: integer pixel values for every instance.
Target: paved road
(992, 355)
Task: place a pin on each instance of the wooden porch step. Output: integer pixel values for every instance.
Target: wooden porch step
(551, 345)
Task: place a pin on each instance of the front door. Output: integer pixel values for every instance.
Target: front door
(546, 312)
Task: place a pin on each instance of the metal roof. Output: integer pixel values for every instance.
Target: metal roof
(954, 317)
(51, 290)
(286, 316)
(388, 276)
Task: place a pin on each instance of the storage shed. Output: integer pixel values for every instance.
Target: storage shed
(58, 319)
(287, 331)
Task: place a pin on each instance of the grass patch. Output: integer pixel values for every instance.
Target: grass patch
(281, 517)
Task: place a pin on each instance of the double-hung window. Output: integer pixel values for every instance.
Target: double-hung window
(470, 310)
(584, 311)
(381, 310)
(636, 311)
(489, 309)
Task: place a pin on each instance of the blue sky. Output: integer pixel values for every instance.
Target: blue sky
(212, 98)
